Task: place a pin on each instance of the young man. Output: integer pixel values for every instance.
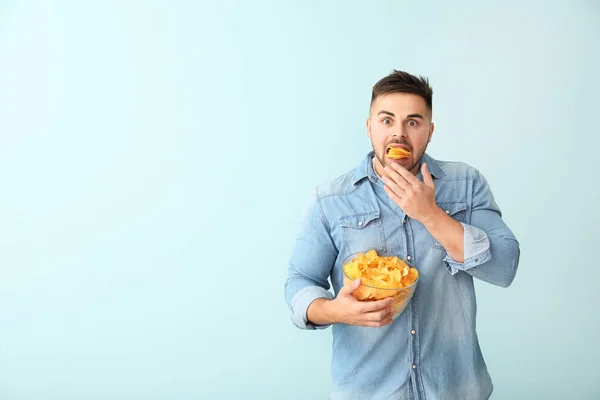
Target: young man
(442, 218)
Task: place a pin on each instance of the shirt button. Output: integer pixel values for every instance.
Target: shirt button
(404, 221)
(477, 260)
(412, 332)
(447, 211)
(360, 223)
(414, 366)
(409, 258)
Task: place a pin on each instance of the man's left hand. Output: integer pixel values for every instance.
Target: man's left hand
(415, 198)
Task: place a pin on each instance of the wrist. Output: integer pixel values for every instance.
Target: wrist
(329, 311)
(432, 221)
(321, 312)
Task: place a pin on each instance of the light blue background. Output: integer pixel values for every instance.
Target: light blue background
(155, 159)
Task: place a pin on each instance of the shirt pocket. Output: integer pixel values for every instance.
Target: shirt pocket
(457, 210)
(362, 232)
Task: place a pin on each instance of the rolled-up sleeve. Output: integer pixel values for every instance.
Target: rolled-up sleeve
(476, 250)
(491, 250)
(310, 265)
(302, 300)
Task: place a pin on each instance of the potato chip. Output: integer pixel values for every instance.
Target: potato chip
(397, 152)
(382, 277)
(411, 276)
(381, 272)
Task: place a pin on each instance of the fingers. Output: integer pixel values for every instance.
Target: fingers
(377, 313)
(380, 315)
(394, 178)
(378, 305)
(395, 198)
(365, 313)
(394, 187)
(427, 179)
(378, 324)
(386, 320)
(404, 173)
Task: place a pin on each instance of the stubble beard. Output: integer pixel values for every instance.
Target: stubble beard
(383, 162)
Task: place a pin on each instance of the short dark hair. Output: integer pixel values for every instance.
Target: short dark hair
(403, 82)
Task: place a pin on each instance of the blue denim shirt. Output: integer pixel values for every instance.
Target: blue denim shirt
(431, 350)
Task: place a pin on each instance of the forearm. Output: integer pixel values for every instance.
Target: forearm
(300, 294)
(310, 265)
(319, 312)
(499, 270)
(491, 255)
(448, 232)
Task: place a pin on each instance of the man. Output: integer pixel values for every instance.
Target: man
(442, 218)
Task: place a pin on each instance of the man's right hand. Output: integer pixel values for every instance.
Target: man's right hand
(345, 308)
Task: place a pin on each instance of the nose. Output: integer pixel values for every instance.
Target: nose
(400, 132)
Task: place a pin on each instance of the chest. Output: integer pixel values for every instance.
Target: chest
(374, 221)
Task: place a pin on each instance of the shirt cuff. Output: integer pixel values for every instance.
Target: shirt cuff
(300, 304)
(476, 249)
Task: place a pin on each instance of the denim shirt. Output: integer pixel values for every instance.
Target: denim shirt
(431, 350)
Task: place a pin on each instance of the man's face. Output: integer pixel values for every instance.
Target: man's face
(402, 119)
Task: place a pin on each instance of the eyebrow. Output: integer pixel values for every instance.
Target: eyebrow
(415, 115)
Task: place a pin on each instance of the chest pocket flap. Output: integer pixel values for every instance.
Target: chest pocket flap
(457, 210)
(358, 221)
(362, 232)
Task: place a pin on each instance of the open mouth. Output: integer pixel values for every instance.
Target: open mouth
(396, 153)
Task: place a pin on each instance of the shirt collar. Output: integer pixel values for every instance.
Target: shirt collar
(433, 166)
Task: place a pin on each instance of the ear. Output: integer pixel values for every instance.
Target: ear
(431, 128)
(369, 127)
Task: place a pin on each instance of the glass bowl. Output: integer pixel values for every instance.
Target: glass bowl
(401, 295)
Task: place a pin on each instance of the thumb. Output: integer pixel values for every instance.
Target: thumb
(352, 286)
(427, 179)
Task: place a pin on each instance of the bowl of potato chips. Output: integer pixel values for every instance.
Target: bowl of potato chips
(382, 276)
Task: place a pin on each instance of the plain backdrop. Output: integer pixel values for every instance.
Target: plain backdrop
(156, 157)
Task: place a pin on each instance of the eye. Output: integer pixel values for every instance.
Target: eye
(412, 122)
(387, 121)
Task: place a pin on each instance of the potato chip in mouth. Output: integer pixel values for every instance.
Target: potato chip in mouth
(396, 152)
